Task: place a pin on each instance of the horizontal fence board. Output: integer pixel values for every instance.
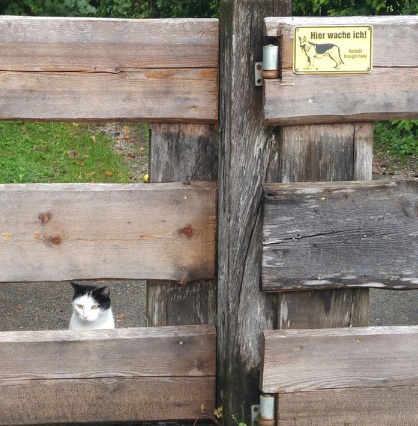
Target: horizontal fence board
(67, 376)
(142, 95)
(340, 235)
(106, 45)
(340, 358)
(159, 352)
(109, 69)
(384, 94)
(105, 400)
(388, 406)
(53, 232)
(388, 92)
(393, 37)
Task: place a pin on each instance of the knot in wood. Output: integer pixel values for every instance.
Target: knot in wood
(56, 240)
(45, 217)
(187, 231)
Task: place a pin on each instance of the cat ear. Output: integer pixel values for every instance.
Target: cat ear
(75, 285)
(105, 291)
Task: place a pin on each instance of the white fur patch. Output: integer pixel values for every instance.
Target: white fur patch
(86, 317)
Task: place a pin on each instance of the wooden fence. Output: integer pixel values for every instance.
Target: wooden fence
(93, 69)
(166, 72)
(341, 235)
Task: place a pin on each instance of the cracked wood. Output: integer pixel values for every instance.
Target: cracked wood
(340, 235)
(113, 69)
(54, 232)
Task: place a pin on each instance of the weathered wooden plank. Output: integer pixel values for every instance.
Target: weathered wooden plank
(83, 231)
(307, 360)
(334, 152)
(104, 400)
(387, 406)
(141, 95)
(182, 152)
(388, 93)
(127, 374)
(332, 235)
(109, 69)
(248, 157)
(393, 37)
(187, 351)
(106, 45)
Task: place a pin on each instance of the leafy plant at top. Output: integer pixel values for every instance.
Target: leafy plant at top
(354, 7)
(399, 137)
(47, 7)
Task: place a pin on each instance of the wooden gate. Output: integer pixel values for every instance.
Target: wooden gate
(341, 235)
(160, 71)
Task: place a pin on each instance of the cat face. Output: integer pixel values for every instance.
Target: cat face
(90, 303)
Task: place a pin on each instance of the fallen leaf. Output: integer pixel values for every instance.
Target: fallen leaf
(109, 173)
(72, 154)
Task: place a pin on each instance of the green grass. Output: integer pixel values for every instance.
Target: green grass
(57, 152)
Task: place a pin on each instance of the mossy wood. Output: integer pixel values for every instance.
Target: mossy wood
(390, 91)
(53, 232)
(109, 69)
(107, 375)
(340, 235)
(363, 376)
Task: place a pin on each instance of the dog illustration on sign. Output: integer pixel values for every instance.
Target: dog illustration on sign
(318, 51)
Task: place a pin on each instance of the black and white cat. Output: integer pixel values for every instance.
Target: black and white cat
(91, 308)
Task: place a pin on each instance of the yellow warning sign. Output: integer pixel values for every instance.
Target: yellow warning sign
(328, 49)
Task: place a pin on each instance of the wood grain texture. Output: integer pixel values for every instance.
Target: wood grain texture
(182, 152)
(135, 352)
(87, 231)
(387, 406)
(141, 95)
(332, 152)
(308, 360)
(248, 158)
(106, 45)
(113, 69)
(388, 92)
(393, 37)
(105, 400)
(332, 235)
(127, 375)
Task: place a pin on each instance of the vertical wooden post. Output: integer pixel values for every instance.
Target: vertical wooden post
(182, 152)
(325, 153)
(248, 158)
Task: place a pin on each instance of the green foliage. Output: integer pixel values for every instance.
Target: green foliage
(113, 8)
(354, 7)
(47, 7)
(157, 8)
(399, 137)
(57, 152)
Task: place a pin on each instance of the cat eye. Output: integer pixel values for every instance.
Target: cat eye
(80, 306)
(95, 307)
